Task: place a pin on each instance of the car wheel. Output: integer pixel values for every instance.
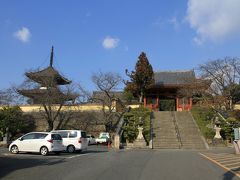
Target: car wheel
(44, 151)
(14, 149)
(71, 149)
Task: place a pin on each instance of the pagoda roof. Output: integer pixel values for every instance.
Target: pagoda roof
(53, 95)
(174, 78)
(48, 76)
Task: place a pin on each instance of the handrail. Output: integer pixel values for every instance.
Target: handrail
(176, 129)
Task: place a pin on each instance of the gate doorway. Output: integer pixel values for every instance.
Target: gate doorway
(167, 105)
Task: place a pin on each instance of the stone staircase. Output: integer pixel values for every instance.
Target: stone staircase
(189, 132)
(176, 130)
(164, 130)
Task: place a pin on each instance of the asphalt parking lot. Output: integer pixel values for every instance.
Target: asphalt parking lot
(91, 150)
(100, 163)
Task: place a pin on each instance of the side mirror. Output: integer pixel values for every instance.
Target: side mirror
(20, 139)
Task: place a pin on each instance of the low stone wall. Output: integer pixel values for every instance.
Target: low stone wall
(90, 121)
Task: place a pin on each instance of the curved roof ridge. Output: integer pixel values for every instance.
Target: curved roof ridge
(160, 71)
(41, 75)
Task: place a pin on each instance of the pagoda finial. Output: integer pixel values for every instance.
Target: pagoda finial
(51, 58)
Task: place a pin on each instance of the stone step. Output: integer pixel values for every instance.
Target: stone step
(165, 137)
(167, 144)
(192, 142)
(165, 133)
(193, 137)
(166, 147)
(167, 140)
(193, 147)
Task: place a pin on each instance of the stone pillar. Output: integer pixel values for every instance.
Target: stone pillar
(236, 144)
(145, 101)
(116, 141)
(6, 137)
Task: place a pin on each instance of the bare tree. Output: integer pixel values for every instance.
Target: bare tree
(10, 96)
(224, 74)
(107, 84)
(52, 99)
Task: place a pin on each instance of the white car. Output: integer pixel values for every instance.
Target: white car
(104, 138)
(73, 140)
(91, 139)
(43, 142)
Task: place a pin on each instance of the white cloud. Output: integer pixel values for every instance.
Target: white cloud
(23, 34)
(110, 43)
(214, 20)
(174, 21)
(161, 22)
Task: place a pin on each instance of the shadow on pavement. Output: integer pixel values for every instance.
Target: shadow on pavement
(11, 164)
(229, 175)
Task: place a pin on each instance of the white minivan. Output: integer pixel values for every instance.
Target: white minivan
(43, 142)
(73, 140)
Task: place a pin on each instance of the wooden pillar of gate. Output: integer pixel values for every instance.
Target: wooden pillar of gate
(190, 103)
(177, 103)
(145, 101)
(158, 104)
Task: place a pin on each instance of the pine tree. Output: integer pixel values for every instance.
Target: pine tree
(141, 78)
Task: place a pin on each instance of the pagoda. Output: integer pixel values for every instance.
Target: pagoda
(49, 80)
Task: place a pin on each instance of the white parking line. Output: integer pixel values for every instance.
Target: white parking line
(8, 154)
(76, 156)
(51, 156)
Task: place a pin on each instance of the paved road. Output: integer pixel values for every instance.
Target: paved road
(101, 164)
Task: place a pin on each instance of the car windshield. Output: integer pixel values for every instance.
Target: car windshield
(103, 137)
(64, 134)
(56, 137)
(83, 134)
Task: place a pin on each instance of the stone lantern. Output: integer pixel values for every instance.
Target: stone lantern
(217, 129)
(140, 142)
(217, 140)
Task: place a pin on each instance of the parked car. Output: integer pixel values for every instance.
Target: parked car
(103, 138)
(91, 139)
(43, 142)
(73, 140)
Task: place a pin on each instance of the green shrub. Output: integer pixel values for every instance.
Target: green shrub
(13, 119)
(204, 117)
(133, 119)
(227, 128)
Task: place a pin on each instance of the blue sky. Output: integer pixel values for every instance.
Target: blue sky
(90, 36)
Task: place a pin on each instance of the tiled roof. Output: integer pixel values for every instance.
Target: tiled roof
(174, 77)
(47, 75)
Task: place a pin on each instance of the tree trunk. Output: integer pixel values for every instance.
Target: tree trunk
(141, 98)
(50, 125)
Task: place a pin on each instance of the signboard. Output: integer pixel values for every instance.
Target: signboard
(236, 133)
